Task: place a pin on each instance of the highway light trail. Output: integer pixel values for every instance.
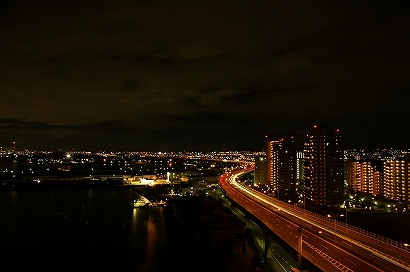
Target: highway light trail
(280, 207)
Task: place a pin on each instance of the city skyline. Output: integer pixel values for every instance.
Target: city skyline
(202, 76)
(14, 146)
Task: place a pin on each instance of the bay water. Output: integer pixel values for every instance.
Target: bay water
(81, 229)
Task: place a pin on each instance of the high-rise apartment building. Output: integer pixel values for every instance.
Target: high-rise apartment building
(324, 166)
(299, 173)
(396, 179)
(365, 176)
(281, 166)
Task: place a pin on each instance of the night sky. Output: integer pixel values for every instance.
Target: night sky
(202, 75)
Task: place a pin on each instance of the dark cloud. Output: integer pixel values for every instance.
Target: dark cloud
(215, 121)
(22, 124)
(130, 86)
(145, 75)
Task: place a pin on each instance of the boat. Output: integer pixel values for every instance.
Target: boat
(140, 203)
(158, 203)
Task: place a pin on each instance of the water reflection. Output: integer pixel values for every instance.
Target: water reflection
(80, 230)
(148, 232)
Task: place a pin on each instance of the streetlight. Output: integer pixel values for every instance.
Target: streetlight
(346, 206)
(314, 238)
(304, 197)
(330, 218)
(341, 215)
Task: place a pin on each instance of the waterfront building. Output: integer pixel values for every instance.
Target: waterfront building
(324, 166)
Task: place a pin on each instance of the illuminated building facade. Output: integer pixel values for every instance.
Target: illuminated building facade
(299, 165)
(324, 166)
(299, 173)
(365, 176)
(396, 178)
(281, 166)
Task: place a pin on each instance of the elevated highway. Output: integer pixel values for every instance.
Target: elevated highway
(328, 244)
